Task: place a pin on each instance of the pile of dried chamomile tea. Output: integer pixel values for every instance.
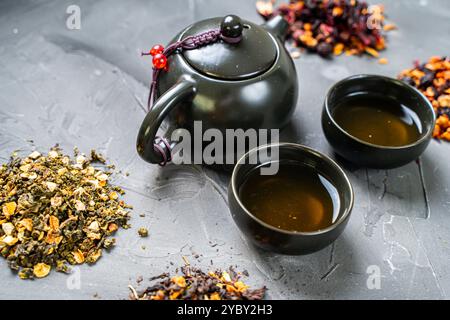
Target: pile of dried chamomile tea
(194, 284)
(57, 210)
(433, 80)
(330, 27)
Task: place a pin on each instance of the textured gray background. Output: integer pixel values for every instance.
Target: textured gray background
(88, 88)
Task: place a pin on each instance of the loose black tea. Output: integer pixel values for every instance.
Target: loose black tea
(194, 284)
(57, 210)
(297, 198)
(378, 120)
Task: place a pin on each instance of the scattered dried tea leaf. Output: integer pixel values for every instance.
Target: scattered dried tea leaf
(53, 215)
(265, 8)
(143, 232)
(194, 284)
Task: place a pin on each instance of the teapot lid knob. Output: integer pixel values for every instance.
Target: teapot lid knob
(237, 49)
(231, 27)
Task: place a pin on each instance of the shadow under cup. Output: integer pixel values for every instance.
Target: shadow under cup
(274, 239)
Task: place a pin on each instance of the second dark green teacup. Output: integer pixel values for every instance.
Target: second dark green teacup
(367, 153)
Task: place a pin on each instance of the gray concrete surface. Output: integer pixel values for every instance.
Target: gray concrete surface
(88, 87)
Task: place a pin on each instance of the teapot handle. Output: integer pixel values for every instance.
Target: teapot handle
(149, 147)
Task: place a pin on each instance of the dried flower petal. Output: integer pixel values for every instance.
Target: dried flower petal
(433, 80)
(56, 201)
(8, 240)
(214, 296)
(113, 195)
(321, 25)
(240, 286)
(390, 27)
(338, 49)
(78, 256)
(41, 270)
(194, 284)
(226, 277)
(179, 281)
(25, 167)
(54, 223)
(143, 232)
(44, 219)
(53, 154)
(51, 186)
(27, 223)
(9, 209)
(295, 54)
(94, 256)
(265, 8)
(372, 52)
(94, 226)
(34, 155)
(81, 159)
(8, 228)
(112, 227)
(79, 206)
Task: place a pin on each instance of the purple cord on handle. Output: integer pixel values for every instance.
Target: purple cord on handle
(188, 43)
(160, 150)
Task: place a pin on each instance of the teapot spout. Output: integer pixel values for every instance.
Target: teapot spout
(278, 26)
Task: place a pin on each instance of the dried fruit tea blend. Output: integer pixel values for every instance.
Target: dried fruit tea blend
(57, 210)
(333, 27)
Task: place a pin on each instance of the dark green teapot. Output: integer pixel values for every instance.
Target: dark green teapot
(241, 77)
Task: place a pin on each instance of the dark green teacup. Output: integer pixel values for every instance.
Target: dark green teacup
(278, 240)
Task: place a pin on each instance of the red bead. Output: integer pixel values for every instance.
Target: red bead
(159, 61)
(156, 49)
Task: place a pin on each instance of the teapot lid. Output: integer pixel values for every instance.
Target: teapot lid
(253, 54)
